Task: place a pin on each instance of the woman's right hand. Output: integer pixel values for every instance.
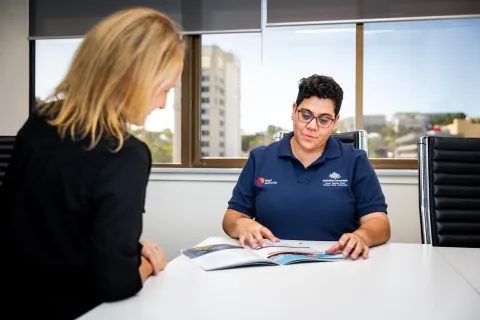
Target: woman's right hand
(250, 231)
(155, 255)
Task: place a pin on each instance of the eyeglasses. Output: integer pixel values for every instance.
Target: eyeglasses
(306, 116)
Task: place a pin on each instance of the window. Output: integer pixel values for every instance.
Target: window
(404, 80)
(256, 94)
(162, 128)
(420, 78)
(302, 52)
(234, 90)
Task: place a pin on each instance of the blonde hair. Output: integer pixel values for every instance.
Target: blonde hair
(113, 75)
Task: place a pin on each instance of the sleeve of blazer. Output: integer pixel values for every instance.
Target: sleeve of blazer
(119, 199)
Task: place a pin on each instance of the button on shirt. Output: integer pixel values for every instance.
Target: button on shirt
(320, 202)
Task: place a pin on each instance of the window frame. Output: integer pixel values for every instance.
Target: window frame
(191, 111)
(194, 142)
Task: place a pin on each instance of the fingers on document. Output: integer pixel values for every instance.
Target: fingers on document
(251, 241)
(351, 244)
(339, 245)
(268, 234)
(247, 239)
(258, 236)
(358, 250)
(333, 249)
(241, 240)
(366, 251)
(344, 239)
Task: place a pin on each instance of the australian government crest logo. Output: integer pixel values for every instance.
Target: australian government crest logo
(335, 181)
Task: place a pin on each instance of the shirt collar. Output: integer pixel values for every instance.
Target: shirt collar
(332, 149)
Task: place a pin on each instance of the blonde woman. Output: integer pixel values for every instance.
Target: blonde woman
(74, 195)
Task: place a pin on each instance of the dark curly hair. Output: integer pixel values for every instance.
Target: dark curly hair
(322, 87)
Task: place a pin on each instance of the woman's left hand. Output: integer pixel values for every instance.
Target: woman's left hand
(350, 244)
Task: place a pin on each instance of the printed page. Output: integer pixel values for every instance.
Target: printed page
(286, 252)
(283, 258)
(222, 256)
(284, 247)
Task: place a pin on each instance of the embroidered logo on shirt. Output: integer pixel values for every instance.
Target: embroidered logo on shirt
(335, 181)
(262, 180)
(334, 176)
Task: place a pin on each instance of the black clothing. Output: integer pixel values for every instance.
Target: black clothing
(71, 221)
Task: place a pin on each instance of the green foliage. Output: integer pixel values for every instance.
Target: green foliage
(251, 141)
(247, 139)
(271, 130)
(443, 119)
(159, 143)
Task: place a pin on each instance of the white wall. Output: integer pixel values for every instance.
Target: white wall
(14, 65)
(184, 208)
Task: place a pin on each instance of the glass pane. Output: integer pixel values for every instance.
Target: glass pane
(230, 87)
(162, 129)
(421, 78)
(292, 53)
(255, 100)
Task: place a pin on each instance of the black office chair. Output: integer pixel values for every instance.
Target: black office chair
(449, 191)
(6, 149)
(358, 139)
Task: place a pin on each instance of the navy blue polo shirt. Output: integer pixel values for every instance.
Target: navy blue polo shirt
(320, 202)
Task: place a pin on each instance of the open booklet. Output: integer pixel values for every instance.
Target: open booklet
(223, 254)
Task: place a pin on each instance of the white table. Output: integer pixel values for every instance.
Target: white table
(398, 281)
(466, 261)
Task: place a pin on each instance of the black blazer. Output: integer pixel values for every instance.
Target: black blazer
(71, 221)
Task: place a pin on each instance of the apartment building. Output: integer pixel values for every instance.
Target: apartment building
(220, 105)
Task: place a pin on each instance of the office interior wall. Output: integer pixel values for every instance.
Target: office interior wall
(14, 65)
(182, 209)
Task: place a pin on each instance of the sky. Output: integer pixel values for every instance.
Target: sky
(424, 66)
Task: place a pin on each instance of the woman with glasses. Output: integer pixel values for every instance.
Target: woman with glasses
(310, 186)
